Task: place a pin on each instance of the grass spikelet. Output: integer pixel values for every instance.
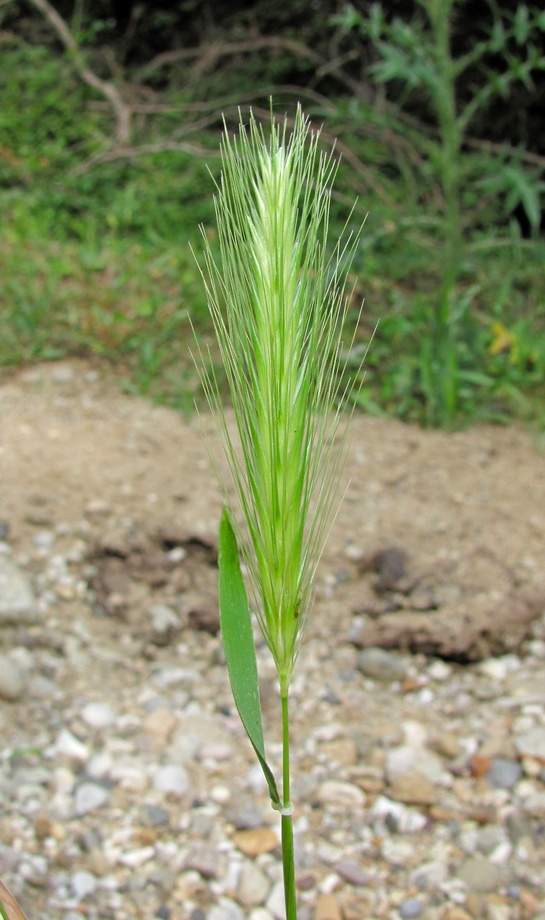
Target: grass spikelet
(277, 302)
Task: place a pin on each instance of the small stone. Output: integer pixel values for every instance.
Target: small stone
(341, 794)
(248, 816)
(98, 715)
(225, 910)
(412, 788)
(518, 827)
(154, 816)
(165, 624)
(408, 758)
(439, 670)
(498, 911)
(480, 875)
(504, 773)
(171, 779)
(43, 826)
(255, 841)
(342, 751)
(159, 724)
(429, 876)
(327, 908)
(12, 679)
(17, 599)
(533, 806)
(352, 873)
(379, 664)
(456, 913)
(253, 886)
(133, 859)
(205, 860)
(397, 852)
(447, 744)
(69, 746)
(480, 765)
(499, 668)
(83, 884)
(532, 743)
(215, 751)
(89, 797)
(275, 902)
(411, 907)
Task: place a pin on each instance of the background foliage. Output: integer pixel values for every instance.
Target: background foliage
(109, 130)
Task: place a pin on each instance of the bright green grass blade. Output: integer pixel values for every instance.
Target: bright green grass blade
(238, 640)
(3, 913)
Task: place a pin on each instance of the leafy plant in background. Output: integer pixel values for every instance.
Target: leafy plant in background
(277, 303)
(418, 56)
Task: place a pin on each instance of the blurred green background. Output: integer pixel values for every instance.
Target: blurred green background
(110, 119)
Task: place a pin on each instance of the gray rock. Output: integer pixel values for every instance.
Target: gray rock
(352, 873)
(504, 773)
(17, 600)
(379, 664)
(89, 797)
(480, 875)
(165, 624)
(154, 816)
(12, 679)
(532, 743)
(205, 860)
(171, 779)
(275, 902)
(83, 884)
(225, 910)
(98, 715)
(412, 907)
(533, 806)
(253, 886)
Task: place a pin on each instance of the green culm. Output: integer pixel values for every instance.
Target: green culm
(277, 300)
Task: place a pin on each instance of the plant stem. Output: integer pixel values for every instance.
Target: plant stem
(287, 822)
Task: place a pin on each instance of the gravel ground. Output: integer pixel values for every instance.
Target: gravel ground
(127, 786)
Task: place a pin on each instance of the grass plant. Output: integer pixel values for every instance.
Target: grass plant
(277, 301)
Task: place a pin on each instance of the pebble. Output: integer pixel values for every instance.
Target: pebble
(253, 887)
(165, 624)
(276, 903)
(504, 773)
(353, 873)
(532, 743)
(83, 884)
(172, 779)
(411, 908)
(12, 679)
(480, 875)
(381, 665)
(412, 788)
(18, 605)
(225, 909)
(256, 841)
(98, 715)
(327, 908)
(89, 797)
(341, 794)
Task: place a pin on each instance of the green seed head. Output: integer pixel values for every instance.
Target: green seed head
(277, 302)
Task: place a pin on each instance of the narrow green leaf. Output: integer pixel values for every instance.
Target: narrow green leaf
(238, 640)
(3, 913)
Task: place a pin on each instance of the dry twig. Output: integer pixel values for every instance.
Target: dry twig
(106, 89)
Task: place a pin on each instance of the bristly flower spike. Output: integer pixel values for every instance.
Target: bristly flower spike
(277, 301)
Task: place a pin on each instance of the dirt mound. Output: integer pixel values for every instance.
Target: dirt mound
(459, 519)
